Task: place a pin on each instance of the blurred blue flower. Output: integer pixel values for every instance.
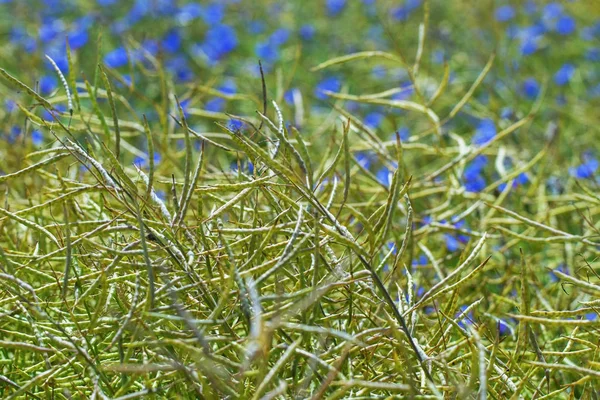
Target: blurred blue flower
(78, 38)
(213, 13)
(373, 119)
(552, 11)
(48, 84)
(37, 137)
(280, 36)
(246, 165)
(106, 3)
(560, 268)
(404, 133)
(476, 184)
(379, 72)
(179, 67)
(586, 169)
(420, 261)
(219, 41)
(10, 105)
(116, 58)
(591, 316)
(504, 13)
(593, 54)
(521, 179)
(531, 88)
(384, 175)
(14, 133)
(486, 131)
(331, 84)
(564, 74)
(307, 32)
(216, 104)
(50, 29)
(365, 159)
(189, 12)
(172, 41)
(288, 96)
(335, 7)
(235, 124)
(267, 52)
(464, 319)
(402, 13)
(565, 25)
(142, 161)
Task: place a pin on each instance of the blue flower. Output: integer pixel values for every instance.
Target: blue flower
(189, 12)
(179, 67)
(564, 74)
(591, 316)
(213, 13)
(172, 41)
(465, 319)
(403, 12)
(267, 52)
(521, 179)
(219, 41)
(47, 84)
(504, 13)
(14, 133)
(486, 131)
(235, 124)
(593, 54)
(365, 159)
(335, 7)
(331, 84)
(307, 32)
(288, 96)
(280, 36)
(216, 104)
(422, 260)
(106, 3)
(78, 38)
(560, 268)
(529, 46)
(476, 184)
(37, 137)
(552, 11)
(116, 58)
(587, 169)
(531, 88)
(50, 29)
(246, 165)
(142, 161)
(374, 119)
(565, 25)
(384, 175)
(404, 133)
(10, 105)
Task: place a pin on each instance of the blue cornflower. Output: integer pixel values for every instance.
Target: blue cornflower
(172, 41)
(486, 131)
(374, 119)
(331, 84)
(335, 7)
(587, 169)
(504, 13)
(564, 74)
(307, 32)
(531, 88)
(476, 184)
(116, 58)
(37, 137)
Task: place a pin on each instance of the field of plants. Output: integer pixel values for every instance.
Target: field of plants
(324, 199)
